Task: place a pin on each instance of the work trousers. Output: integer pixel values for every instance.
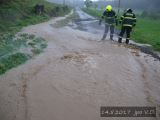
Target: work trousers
(127, 30)
(107, 27)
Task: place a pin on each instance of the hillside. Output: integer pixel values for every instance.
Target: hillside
(14, 14)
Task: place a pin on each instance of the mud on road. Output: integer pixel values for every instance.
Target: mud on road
(76, 75)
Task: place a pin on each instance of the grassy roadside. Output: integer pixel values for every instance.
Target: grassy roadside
(146, 31)
(16, 14)
(16, 49)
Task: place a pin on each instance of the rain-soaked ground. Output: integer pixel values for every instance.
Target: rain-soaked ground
(77, 74)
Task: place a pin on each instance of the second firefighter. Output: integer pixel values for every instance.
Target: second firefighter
(128, 21)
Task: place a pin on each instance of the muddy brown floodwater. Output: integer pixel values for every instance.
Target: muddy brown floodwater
(76, 75)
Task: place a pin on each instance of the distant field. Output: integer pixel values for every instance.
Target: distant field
(146, 31)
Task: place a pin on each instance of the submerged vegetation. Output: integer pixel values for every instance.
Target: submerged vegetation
(15, 50)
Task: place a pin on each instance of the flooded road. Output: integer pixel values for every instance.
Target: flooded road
(76, 75)
(87, 23)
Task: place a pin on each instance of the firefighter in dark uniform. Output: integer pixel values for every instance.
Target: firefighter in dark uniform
(128, 21)
(110, 20)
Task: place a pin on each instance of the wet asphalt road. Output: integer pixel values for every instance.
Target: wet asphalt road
(90, 24)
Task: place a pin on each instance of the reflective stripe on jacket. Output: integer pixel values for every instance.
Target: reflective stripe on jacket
(109, 17)
(128, 19)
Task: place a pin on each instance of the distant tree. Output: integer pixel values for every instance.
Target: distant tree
(88, 3)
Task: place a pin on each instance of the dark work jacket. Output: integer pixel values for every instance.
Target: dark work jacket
(128, 19)
(109, 17)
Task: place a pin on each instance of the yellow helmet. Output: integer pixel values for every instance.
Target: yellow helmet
(109, 8)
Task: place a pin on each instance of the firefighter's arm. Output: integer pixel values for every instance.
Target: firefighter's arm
(121, 19)
(134, 20)
(116, 20)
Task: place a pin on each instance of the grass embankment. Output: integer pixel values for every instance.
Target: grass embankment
(146, 31)
(16, 49)
(17, 13)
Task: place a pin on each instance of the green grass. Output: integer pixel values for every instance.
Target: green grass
(146, 31)
(16, 14)
(12, 61)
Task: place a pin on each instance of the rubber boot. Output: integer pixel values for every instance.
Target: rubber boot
(127, 41)
(120, 40)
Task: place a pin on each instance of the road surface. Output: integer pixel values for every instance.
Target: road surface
(76, 75)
